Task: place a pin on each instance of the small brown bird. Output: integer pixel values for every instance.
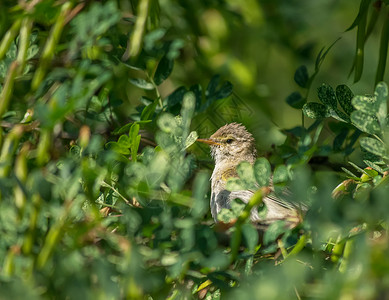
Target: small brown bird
(230, 145)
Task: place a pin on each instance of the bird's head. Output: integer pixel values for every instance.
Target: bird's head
(233, 143)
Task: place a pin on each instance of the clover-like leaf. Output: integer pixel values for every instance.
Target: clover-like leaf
(167, 122)
(366, 104)
(327, 96)
(262, 171)
(381, 94)
(316, 110)
(365, 122)
(301, 76)
(373, 146)
(246, 173)
(281, 174)
(345, 96)
(296, 100)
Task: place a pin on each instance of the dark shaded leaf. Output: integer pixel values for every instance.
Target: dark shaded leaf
(345, 96)
(316, 110)
(301, 76)
(164, 69)
(176, 97)
(327, 96)
(296, 100)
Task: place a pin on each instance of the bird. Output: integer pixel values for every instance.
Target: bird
(230, 145)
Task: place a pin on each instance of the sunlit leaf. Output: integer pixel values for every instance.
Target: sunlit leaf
(141, 83)
(365, 122)
(373, 146)
(262, 171)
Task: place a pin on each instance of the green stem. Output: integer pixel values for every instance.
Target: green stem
(8, 150)
(359, 57)
(49, 49)
(236, 239)
(9, 37)
(8, 87)
(135, 41)
(383, 50)
(24, 41)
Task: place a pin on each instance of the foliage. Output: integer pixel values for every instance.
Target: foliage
(104, 192)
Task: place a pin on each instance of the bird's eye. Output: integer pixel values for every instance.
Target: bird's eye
(229, 141)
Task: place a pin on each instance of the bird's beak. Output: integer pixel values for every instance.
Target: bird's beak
(208, 141)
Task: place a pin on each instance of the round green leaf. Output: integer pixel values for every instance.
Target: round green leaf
(344, 96)
(281, 174)
(167, 123)
(327, 96)
(365, 122)
(373, 146)
(316, 110)
(366, 104)
(262, 171)
(296, 100)
(301, 76)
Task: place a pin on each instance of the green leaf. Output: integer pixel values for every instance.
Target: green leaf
(250, 235)
(262, 171)
(351, 174)
(118, 148)
(381, 94)
(148, 111)
(212, 85)
(176, 97)
(366, 104)
(365, 122)
(235, 184)
(246, 173)
(213, 93)
(141, 83)
(164, 69)
(316, 110)
(339, 115)
(327, 96)
(363, 8)
(374, 166)
(357, 168)
(296, 100)
(191, 139)
(274, 231)
(301, 76)
(167, 123)
(345, 96)
(124, 141)
(373, 146)
(281, 174)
